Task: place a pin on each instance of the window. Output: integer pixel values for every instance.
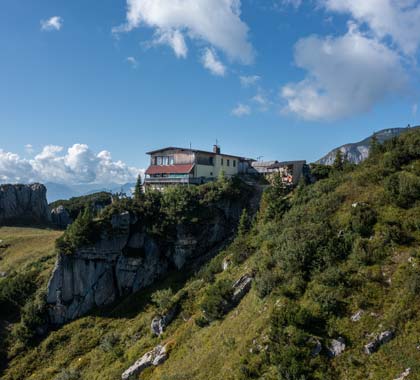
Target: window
(165, 160)
(171, 160)
(234, 163)
(211, 161)
(158, 160)
(228, 162)
(221, 162)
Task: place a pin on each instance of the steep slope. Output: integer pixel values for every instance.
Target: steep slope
(334, 268)
(358, 152)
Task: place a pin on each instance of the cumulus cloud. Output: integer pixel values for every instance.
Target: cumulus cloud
(212, 63)
(241, 110)
(53, 23)
(345, 75)
(398, 19)
(216, 22)
(251, 80)
(76, 165)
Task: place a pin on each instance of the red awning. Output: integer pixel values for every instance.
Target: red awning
(170, 169)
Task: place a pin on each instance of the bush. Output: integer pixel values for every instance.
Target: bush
(68, 374)
(363, 219)
(217, 300)
(163, 299)
(403, 189)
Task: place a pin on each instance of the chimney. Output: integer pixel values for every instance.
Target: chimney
(216, 149)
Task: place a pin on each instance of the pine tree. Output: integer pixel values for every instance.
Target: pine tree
(375, 146)
(339, 161)
(138, 190)
(244, 223)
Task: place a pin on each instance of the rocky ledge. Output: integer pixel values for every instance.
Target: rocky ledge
(128, 259)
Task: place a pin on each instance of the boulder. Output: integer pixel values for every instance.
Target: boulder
(60, 217)
(241, 287)
(226, 264)
(381, 339)
(152, 358)
(159, 323)
(336, 347)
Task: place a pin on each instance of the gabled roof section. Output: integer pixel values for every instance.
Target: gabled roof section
(170, 169)
(187, 150)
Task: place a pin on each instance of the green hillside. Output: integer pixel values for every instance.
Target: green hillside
(335, 260)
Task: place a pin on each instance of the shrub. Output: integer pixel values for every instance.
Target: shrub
(217, 300)
(163, 299)
(363, 219)
(68, 374)
(403, 189)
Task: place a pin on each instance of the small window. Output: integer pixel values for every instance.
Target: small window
(171, 160)
(221, 162)
(165, 160)
(234, 163)
(211, 161)
(228, 162)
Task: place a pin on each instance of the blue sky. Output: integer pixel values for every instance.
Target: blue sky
(126, 77)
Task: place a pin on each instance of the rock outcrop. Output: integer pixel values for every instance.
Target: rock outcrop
(152, 358)
(161, 322)
(240, 288)
(381, 339)
(60, 217)
(336, 347)
(127, 259)
(24, 204)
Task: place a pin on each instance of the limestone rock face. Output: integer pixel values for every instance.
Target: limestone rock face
(128, 259)
(24, 204)
(60, 217)
(152, 358)
(159, 323)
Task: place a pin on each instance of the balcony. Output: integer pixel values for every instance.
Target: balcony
(173, 181)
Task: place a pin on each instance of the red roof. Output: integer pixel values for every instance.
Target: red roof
(170, 169)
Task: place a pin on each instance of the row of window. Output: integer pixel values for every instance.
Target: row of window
(169, 160)
(163, 160)
(228, 162)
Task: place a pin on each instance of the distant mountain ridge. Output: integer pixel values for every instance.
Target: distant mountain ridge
(359, 151)
(57, 191)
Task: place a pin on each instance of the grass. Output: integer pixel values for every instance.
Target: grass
(23, 246)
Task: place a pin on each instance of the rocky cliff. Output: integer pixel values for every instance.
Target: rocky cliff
(358, 152)
(127, 258)
(24, 204)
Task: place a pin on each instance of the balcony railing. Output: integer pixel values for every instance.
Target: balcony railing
(173, 180)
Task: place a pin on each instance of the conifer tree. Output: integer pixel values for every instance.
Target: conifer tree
(138, 190)
(339, 161)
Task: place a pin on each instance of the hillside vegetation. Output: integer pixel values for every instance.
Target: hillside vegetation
(334, 261)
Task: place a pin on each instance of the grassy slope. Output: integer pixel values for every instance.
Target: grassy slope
(26, 246)
(216, 351)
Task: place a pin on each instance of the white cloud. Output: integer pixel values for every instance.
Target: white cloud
(241, 110)
(251, 80)
(133, 62)
(77, 165)
(216, 22)
(211, 62)
(262, 100)
(398, 19)
(53, 23)
(346, 75)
